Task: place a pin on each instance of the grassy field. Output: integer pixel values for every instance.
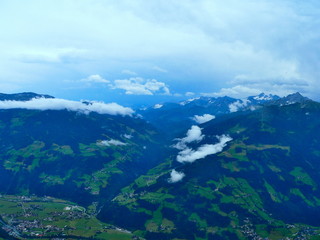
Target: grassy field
(29, 217)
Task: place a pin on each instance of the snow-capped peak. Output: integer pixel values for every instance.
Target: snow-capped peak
(188, 101)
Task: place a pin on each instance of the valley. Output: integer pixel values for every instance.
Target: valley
(32, 217)
(206, 168)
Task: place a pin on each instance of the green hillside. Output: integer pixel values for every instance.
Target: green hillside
(264, 184)
(47, 218)
(244, 175)
(71, 155)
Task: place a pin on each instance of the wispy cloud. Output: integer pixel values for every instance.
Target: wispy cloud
(189, 94)
(110, 142)
(52, 56)
(159, 69)
(62, 104)
(96, 78)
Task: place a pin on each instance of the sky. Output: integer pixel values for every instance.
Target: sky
(147, 52)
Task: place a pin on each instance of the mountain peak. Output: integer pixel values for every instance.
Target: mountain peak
(262, 98)
(296, 97)
(291, 99)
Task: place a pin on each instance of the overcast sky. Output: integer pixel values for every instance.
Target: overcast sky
(138, 51)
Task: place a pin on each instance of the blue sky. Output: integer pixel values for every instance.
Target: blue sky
(152, 51)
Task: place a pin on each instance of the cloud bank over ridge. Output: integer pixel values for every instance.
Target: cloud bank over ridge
(62, 104)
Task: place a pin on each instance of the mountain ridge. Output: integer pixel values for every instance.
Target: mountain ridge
(252, 173)
(260, 177)
(24, 96)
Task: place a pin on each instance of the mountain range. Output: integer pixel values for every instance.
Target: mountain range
(205, 168)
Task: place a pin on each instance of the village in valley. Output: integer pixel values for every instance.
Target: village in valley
(33, 217)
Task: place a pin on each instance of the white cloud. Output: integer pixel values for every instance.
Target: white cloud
(237, 105)
(203, 119)
(194, 134)
(111, 142)
(175, 176)
(189, 155)
(140, 86)
(188, 101)
(157, 106)
(238, 91)
(61, 104)
(96, 78)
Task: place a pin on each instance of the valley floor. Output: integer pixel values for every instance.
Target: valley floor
(50, 218)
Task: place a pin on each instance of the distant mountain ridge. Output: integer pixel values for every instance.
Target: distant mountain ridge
(25, 96)
(291, 99)
(177, 117)
(205, 168)
(263, 98)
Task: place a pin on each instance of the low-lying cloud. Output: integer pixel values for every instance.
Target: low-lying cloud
(194, 134)
(157, 106)
(111, 142)
(235, 106)
(62, 104)
(189, 155)
(203, 119)
(128, 136)
(176, 176)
